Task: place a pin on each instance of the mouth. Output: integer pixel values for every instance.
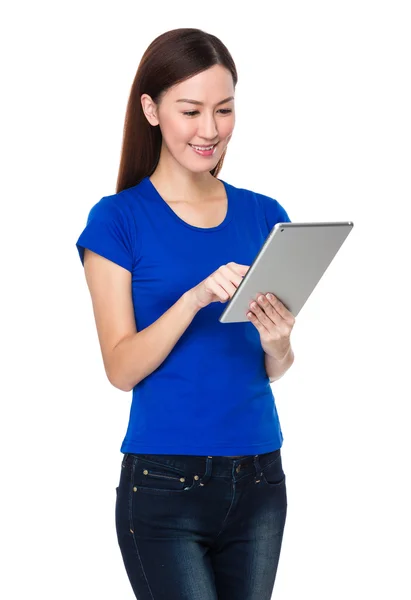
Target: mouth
(203, 147)
(204, 150)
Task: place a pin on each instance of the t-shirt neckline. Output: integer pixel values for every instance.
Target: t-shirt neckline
(156, 195)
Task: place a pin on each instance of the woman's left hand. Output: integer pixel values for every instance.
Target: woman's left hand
(274, 324)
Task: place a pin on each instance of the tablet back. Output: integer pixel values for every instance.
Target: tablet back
(291, 262)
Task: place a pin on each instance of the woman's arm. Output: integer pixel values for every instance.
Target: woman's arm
(130, 355)
(277, 368)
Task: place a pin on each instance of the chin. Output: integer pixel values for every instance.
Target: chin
(194, 167)
(204, 169)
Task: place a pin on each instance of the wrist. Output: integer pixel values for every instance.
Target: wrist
(282, 356)
(190, 302)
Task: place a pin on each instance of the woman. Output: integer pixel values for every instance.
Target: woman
(201, 502)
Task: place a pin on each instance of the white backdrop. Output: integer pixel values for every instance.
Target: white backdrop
(323, 125)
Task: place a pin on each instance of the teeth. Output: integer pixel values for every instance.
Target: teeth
(202, 148)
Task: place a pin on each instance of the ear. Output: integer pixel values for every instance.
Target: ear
(149, 109)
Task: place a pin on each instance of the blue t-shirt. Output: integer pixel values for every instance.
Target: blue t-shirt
(211, 396)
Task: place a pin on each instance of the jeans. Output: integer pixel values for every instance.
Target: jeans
(201, 527)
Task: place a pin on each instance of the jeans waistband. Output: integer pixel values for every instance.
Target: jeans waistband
(217, 465)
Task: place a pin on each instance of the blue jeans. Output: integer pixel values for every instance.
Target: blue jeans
(201, 528)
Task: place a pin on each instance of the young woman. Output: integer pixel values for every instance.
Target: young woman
(201, 503)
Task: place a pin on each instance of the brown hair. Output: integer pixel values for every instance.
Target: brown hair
(171, 58)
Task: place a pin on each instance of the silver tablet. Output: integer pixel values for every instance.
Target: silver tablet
(290, 263)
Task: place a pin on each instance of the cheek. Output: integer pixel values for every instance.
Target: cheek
(177, 131)
(226, 127)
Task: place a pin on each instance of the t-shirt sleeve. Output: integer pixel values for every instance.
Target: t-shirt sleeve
(109, 232)
(273, 212)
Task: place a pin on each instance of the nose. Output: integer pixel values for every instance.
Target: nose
(207, 128)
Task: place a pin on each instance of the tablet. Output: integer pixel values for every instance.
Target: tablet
(290, 263)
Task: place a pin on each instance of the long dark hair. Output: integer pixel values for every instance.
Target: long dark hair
(171, 58)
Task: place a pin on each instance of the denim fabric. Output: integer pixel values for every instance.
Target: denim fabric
(201, 528)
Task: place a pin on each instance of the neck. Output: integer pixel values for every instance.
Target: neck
(182, 184)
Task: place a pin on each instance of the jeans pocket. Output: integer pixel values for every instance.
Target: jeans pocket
(153, 476)
(273, 474)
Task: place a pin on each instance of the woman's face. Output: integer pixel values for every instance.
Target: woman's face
(207, 120)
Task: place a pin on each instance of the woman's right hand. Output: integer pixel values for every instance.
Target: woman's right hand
(220, 286)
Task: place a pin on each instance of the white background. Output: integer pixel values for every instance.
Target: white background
(323, 125)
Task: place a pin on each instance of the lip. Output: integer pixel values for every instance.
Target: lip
(206, 146)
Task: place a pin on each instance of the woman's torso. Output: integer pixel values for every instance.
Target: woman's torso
(207, 213)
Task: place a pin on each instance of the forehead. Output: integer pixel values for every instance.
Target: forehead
(209, 86)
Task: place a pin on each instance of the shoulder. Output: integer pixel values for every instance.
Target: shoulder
(111, 232)
(113, 207)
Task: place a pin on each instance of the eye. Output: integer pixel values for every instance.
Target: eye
(191, 113)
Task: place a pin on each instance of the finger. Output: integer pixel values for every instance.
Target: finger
(269, 310)
(231, 275)
(257, 324)
(227, 287)
(280, 309)
(218, 291)
(261, 328)
(271, 319)
(268, 323)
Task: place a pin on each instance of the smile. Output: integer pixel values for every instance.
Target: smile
(203, 147)
(205, 151)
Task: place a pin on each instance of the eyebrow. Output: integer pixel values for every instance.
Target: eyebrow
(201, 103)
